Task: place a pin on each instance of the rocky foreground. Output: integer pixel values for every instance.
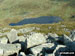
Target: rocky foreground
(35, 44)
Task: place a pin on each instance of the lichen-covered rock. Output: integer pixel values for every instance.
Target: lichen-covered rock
(9, 49)
(12, 36)
(42, 48)
(4, 40)
(35, 39)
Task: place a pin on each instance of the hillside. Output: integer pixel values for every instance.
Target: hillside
(13, 11)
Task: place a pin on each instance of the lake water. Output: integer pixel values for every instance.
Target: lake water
(38, 20)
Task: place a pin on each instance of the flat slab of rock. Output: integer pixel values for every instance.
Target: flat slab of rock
(9, 49)
(36, 50)
(12, 36)
(35, 39)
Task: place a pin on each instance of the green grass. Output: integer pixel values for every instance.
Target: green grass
(44, 27)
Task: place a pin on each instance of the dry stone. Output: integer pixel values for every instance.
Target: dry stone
(58, 49)
(12, 36)
(35, 39)
(1, 52)
(22, 54)
(52, 37)
(4, 40)
(65, 39)
(48, 46)
(9, 49)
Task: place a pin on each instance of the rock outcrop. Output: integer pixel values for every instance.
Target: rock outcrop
(35, 44)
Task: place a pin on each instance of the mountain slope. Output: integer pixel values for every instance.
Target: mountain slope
(16, 10)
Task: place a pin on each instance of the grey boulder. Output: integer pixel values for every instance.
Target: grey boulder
(1, 52)
(52, 37)
(4, 40)
(59, 48)
(35, 39)
(9, 49)
(65, 39)
(21, 38)
(40, 48)
(12, 36)
(22, 54)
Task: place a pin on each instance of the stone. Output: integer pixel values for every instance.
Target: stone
(35, 39)
(52, 37)
(32, 33)
(40, 48)
(12, 36)
(24, 30)
(37, 28)
(1, 34)
(4, 40)
(72, 35)
(59, 48)
(50, 54)
(1, 52)
(65, 39)
(22, 54)
(22, 41)
(21, 38)
(63, 26)
(66, 30)
(9, 49)
(71, 46)
(49, 27)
